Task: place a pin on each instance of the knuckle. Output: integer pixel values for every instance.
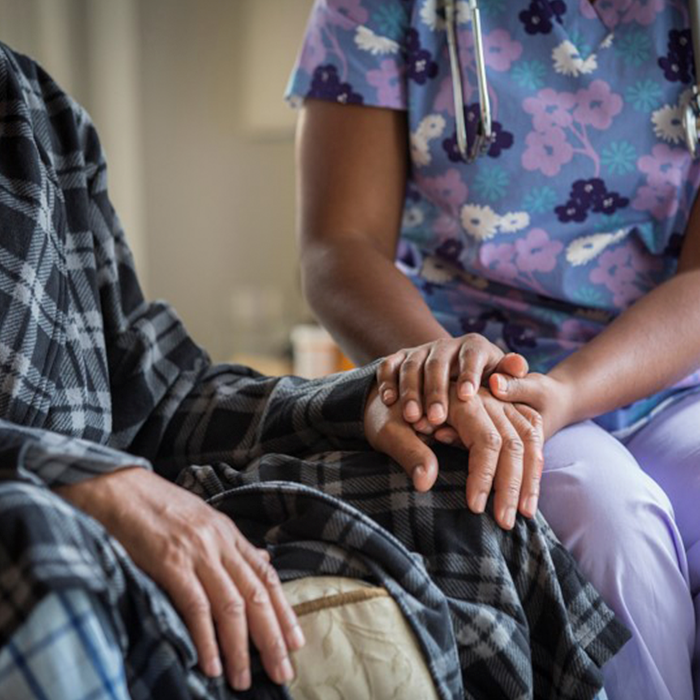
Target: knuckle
(511, 490)
(411, 364)
(268, 575)
(234, 607)
(196, 606)
(276, 648)
(514, 446)
(258, 596)
(492, 441)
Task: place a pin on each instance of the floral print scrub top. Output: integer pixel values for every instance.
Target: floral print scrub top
(581, 203)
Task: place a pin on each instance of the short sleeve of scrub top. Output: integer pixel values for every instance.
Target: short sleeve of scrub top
(581, 204)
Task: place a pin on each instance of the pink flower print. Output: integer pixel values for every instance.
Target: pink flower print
(314, 52)
(447, 191)
(347, 13)
(664, 166)
(587, 9)
(661, 201)
(643, 11)
(498, 257)
(537, 252)
(614, 270)
(609, 11)
(388, 80)
(500, 50)
(547, 151)
(550, 108)
(597, 105)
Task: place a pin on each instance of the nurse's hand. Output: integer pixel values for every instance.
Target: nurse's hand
(419, 378)
(226, 590)
(504, 440)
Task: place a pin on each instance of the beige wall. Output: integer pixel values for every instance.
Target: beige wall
(201, 164)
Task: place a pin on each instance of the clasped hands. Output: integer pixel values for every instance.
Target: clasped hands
(465, 391)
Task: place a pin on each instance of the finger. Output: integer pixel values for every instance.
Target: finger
(525, 390)
(411, 384)
(509, 475)
(436, 380)
(423, 427)
(528, 423)
(476, 355)
(513, 364)
(388, 377)
(400, 442)
(286, 616)
(447, 435)
(265, 630)
(190, 600)
(478, 433)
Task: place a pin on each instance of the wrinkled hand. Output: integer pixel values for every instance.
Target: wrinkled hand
(504, 442)
(420, 378)
(222, 586)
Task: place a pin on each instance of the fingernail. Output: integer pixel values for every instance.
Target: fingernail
(446, 439)
(214, 667)
(413, 410)
(436, 413)
(241, 680)
(480, 502)
(284, 672)
(509, 517)
(388, 396)
(297, 638)
(466, 389)
(418, 472)
(531, 505)
(501, 383)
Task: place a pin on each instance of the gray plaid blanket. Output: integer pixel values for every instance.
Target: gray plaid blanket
(93, 378)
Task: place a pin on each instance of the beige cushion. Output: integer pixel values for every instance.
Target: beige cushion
(358, 644)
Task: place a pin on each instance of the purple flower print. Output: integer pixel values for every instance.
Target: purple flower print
(678, 66)
(451, 249)
(540, 15)
(500, 50)
(547, 151)
(643, 11)
(519, 337)
(537, 252)
(597, 105)
(614, 271)
(550, 109)
(420, 65)
(326, 85)
(664, 165)
(448, 191)
(586, 195)
(502, 139)
(388, 83)
(347, 13)
(661, 201)
(499, 258)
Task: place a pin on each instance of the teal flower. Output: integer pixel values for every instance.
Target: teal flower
(540, 200)
(492, 183)
(620, 157)
(578, 40)
(491, 8)
(644, 95)
(529, 74)
(588, 297)
(390, 20)
(609, 223)
(634, 47)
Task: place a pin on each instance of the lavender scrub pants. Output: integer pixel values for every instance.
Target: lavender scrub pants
(629, 511)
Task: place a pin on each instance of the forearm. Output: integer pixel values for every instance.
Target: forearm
(646, 349)
(365, 301)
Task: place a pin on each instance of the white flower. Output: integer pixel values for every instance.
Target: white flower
(432, 127)
(480, 222)
(429, 14)
(514, 221)
(607, 42)
(436, 272)
(367, 40)
(568, 61)
(412, 217)
(584, 249)
(668, 123)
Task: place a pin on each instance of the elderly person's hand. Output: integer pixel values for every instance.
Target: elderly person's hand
(504, 440)
(224, 588)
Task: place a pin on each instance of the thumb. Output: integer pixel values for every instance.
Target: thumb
(513, 364)
(513, 389)
(404, 446)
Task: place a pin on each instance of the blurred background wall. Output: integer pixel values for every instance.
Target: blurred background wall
(187, 97)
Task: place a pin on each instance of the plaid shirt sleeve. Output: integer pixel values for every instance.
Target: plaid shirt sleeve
(92, 377)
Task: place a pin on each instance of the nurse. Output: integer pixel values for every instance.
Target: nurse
(573, 242)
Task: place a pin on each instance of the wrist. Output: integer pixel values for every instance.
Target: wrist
(562, 410)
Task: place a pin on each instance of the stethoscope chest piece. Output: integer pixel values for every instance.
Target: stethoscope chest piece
(691, 123)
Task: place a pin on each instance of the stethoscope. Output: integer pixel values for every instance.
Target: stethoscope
(484, 130)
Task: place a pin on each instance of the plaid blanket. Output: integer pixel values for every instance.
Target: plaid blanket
(93, 378)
